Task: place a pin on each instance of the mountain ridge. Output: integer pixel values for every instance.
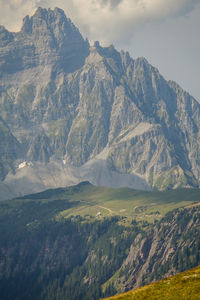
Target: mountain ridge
(68, 104)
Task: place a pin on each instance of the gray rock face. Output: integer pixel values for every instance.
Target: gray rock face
(9, 150)
(47, 38)
(69, 103)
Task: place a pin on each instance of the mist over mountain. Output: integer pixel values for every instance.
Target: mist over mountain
(70, 112)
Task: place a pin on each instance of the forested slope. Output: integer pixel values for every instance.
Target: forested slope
(45, 254)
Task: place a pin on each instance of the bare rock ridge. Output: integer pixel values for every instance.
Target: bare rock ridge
(80, 112)
(47, 38)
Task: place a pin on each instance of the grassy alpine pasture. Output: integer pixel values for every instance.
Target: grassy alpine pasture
(185, 286)
(90, 202)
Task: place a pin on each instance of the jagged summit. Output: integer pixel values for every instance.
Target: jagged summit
(84, 113)
(49, 20)
(46, 38)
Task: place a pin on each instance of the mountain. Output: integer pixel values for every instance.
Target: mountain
(10, 149)
(77, 112)
(185, 285)
(86, 242)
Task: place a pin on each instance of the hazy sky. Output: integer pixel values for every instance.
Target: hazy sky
(165, 32)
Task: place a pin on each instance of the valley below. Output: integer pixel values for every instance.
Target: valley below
(87, 242)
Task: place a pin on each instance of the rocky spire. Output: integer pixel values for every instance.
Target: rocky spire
(51, 31)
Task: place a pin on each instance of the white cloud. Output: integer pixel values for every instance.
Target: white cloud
(13, 11)
(104, 20)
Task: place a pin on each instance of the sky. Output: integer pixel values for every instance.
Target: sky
(166, 33)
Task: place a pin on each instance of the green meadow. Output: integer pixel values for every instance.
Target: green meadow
(90, 202)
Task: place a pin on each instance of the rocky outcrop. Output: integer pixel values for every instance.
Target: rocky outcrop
(64, 100)
(9, 150)
(166, 250)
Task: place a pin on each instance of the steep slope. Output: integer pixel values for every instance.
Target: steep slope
(182, 286)
(92, 111)
(160, 254)
(9, 150)
(46, 39)
(49, 254)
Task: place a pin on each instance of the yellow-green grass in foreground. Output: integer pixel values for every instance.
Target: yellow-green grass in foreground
(183, 286)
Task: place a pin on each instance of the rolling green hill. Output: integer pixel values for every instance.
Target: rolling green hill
(185, 285)
(87, 200)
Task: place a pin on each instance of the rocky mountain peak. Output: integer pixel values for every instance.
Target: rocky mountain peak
(54, 23)
(94, 109)
(46, 38)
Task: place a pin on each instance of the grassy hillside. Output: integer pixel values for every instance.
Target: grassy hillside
(90, 201)
(181, 286)
(55, 245)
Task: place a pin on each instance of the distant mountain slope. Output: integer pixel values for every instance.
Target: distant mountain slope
(181, 286)
(91, 110)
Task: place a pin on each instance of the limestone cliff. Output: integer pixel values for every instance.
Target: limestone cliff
(91, 107)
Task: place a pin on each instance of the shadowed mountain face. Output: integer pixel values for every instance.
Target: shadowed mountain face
(80, 112)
